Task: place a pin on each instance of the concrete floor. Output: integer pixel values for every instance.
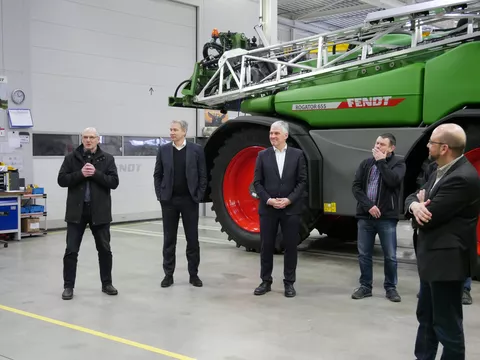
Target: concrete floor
(221, 321)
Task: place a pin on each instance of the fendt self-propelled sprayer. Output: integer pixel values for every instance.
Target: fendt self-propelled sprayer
(401, 71)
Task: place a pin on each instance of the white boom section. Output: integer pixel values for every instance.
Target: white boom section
(236, 65)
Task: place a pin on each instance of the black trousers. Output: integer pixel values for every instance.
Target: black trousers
(290, 226)
(75, 232)
(440, 317)
(171, 211)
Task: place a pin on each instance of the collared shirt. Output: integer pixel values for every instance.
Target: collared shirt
(443, 170)
(181, 146)
(373, 180)
(280, 156)
(372, 186)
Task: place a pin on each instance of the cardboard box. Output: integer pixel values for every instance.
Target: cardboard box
(30, 225)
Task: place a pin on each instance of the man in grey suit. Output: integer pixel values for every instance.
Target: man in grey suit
(446, 211)
(180, 179)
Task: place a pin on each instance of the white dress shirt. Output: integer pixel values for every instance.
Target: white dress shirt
(280, 156)
(181, 146)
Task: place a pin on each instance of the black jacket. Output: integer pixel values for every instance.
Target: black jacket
(196, 172)
(446, 246)
(101, 183)
(392, 171)
(291, 185)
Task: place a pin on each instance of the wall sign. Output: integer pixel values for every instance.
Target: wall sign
(3, 93)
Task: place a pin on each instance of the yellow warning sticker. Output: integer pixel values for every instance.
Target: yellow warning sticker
(330, 207)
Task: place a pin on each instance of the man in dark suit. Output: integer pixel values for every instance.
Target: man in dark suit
(280, 181)
(446, 245)
(180, 179)
(90, 174)
(428, 170)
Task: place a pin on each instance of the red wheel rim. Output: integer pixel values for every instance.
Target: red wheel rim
(240, 204)
(474, 157)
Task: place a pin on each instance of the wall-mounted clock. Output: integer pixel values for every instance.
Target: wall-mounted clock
(18, 96)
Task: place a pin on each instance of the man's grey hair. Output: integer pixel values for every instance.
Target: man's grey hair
(90, 129)
(281, 124)
(183, 124)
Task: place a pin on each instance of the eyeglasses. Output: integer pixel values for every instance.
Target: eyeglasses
(436, 142)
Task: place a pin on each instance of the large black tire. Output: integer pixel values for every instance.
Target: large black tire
(243, 139)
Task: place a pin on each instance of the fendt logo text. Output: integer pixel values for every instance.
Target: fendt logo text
(352, 103)
(369, 102)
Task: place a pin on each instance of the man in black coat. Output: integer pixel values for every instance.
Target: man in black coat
(446, 245)
(89, 174)
(180, 179)
(280, 181)
(377, 184)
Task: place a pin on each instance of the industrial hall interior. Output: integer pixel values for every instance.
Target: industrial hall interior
(240, 179)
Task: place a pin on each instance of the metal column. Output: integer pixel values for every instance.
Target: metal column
(269, 20)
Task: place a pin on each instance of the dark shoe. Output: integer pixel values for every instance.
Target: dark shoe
(109, 290)
(67, 294)
(467, 298)
(167, 281)
(361, 292)
(290, 290)
(263, 288)
(393, 296)
(195, 281)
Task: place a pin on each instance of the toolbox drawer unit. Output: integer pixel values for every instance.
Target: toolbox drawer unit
(8, 215)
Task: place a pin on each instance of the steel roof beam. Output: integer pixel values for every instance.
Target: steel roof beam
(312, 29)
(326, 13)
(387, 4)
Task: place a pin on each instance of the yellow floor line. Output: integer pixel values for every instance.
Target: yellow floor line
(97, 333)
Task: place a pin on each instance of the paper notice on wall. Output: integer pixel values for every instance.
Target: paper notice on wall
(24, 137)
(13, 139)
(3, 93)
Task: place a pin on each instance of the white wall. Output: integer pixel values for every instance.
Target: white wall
(1, 36)
(15, 65)
(94, 61)
(92, 64)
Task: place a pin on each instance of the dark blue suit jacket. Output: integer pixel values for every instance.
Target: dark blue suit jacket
(196, 171)
(292, 184)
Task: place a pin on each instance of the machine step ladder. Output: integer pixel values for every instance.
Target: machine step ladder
(235, 66)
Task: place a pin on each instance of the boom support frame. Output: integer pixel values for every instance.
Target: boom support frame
(237, 64)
